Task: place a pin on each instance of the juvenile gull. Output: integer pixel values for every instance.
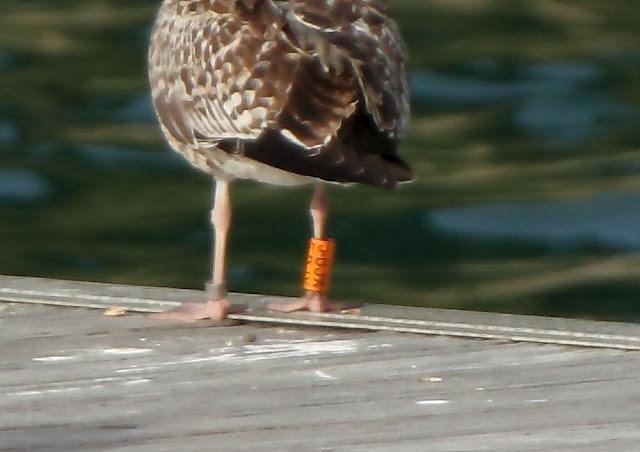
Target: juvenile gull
(284, 92)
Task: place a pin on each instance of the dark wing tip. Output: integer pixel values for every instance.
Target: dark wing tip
(384, 172)
(335, 163)
(399, 169)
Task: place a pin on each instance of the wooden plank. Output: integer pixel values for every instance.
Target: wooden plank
(73, 379)
(373, 317)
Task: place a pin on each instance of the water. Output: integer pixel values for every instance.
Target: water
(610, 220)
(524, 140)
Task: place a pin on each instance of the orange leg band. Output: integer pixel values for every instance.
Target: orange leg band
(317, 272)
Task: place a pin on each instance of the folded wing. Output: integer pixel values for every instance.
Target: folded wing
(314, 87)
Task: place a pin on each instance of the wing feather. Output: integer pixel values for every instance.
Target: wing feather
(238, 74)
(211, 77)
(360, 34)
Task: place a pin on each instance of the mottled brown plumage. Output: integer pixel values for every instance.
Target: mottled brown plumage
(279, 91)
(314, 88)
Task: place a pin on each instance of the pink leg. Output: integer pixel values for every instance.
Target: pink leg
(313, 301)
(319, 209)
(219, 308)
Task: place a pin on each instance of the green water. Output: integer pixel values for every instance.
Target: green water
(525, 142)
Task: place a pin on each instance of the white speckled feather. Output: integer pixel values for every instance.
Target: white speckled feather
(301, 86)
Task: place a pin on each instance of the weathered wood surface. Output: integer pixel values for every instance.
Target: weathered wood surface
(373, 317)
(75, 380)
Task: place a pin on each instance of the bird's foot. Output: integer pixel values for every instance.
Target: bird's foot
(190, 311)
(312, 302)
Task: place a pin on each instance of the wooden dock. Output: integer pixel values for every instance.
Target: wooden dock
(389, 379)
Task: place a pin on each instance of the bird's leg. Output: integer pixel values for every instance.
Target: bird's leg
(221, 221)
(319, 210)
(314, 300)
(219, 307)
